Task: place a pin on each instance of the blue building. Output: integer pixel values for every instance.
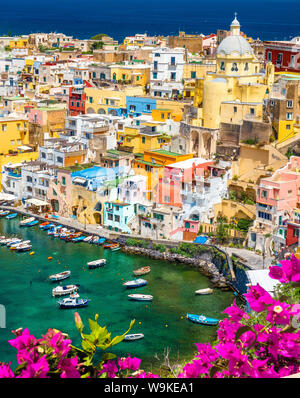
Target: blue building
(117, 214)
(136, 106)
(94, 177)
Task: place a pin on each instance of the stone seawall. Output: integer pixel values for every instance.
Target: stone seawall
(206, 267)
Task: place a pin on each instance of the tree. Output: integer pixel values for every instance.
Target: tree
(97, 45)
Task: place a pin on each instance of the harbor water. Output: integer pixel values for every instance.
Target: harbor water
(26, 294)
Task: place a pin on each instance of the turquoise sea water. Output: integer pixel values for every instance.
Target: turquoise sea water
(172, 285)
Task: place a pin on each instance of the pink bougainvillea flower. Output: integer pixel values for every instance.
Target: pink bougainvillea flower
(38, 369)
(110, 368)
(129, 363)
(278, 313)
(258, 298)
(25, 340)
(261, 369)
(5, 371)
(68, 367)
(227, 330)
(235, 313)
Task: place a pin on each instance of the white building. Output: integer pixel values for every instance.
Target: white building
(167, 72)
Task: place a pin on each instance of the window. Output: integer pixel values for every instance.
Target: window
(193, 75)
(12, 142)
(289, 103)
(157, 55)
(148, 107)
(117, 218)
(155, 65)
(173, 60)
(154, 75)
(59, 159)
(3, 127)
(269, 56)
(246, 66)
(289, 116)
(279, 58)
(235, 109)
(167, 199)
(252, 111)
(90, 100)
(63, 181)
(288, 126)
(234, 67)
(143, 140)
(173, 75)
(110, 217)
(222, 66)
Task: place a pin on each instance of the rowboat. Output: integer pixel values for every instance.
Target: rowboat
(204, 291)
(73, 303)
(135, 283)
(64, 290)
(10, 241)
(202, 319)
(140, 297)
(46, 226)
(97, 263)
(78, 238)
(88, 238)
(32, 223)
(132, 337)
(4, 213)
(11, 215)
(108, 245)
(60, 276)
(115, 247)
(142, 271)
(13, 242)
(26, 221)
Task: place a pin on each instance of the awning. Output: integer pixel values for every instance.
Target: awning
(24, 148)
(261, 277)
(37, 202)
(80, 180)
(6, 196)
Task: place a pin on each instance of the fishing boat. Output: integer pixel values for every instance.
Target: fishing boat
(73, 302)
(64, 290)
(23, 247)
(142, 271)
(108, 245)
(140, 297)
(99, 241)
(202, 319)
(134, 336)
(4, 213)
(26, 221)
(204, 291)
(60, 276)
(97, 263)
(135, 283)
(11, 215)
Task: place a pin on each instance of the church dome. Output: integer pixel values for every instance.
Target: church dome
(234, 44)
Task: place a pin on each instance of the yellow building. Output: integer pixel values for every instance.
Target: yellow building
(136, 74)
(17, 157)
(236, 85)
(151, 164)
(13, 133)
(19, 42)
(176, 108)
(109, 100)
(145, 137)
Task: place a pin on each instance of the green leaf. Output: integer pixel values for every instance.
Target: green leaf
(88, 346)
(241, 331)
(107, 356)
(118, 339)
(212, 371)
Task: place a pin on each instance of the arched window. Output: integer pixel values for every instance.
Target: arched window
(246, 66)
(234, 67)
(222, 66)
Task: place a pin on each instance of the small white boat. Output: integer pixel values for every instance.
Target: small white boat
(23, 247)
(135, 283)
(88, 238)
(134, 336)
(204, 291)
(142, 271)
(140, 297)
(73, 303)
(97, 263)
(64, 290)
(27, 221)
(60, 276)
(14, 246)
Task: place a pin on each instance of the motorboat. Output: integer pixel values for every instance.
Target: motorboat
(13, 242)
(47, 225)
(54, 230)
(15, 245)
(204, 291)
(115, 247)
(97, 263)
(140, 297)
(11, 215)
(202, 319)
(134, 336)
(60, 276)
(43, 225)
(26, 221)
(99, 241)
(64, 290)
(23, 247)
(73, 302)
(135, 283)
(142, 271)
